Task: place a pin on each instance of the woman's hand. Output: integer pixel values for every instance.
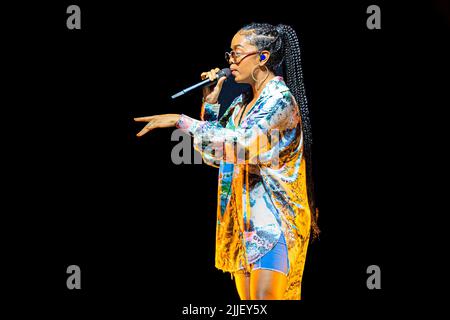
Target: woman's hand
(211, 96)
(158, 121)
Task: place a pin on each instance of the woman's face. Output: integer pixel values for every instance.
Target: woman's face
(243, 59)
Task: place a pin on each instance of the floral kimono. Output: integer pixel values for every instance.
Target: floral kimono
(262, 179)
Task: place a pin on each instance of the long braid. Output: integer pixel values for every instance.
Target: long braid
(282, 43)
(294, 80)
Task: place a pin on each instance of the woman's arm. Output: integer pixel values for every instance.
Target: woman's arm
(256, 143)
(157, 121)
(169, 120)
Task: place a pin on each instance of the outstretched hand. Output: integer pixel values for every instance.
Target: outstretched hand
(157, 121)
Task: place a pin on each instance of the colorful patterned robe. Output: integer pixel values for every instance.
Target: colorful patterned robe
(262, 179)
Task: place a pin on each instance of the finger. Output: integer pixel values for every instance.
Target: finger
(143, 119)
(144, 130)
(212, 75)
(216, 70)
(204, 75)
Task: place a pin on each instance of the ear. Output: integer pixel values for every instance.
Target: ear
(264, 57)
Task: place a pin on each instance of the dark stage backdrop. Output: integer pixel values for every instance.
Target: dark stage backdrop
(83, 190)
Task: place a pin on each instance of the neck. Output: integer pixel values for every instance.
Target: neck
(258, 86)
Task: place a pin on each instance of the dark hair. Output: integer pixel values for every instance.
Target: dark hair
(282, 43)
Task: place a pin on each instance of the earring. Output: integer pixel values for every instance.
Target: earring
(258, 83)
(262, 57)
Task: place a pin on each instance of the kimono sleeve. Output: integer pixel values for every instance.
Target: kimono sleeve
(257, 142)
(210, 112)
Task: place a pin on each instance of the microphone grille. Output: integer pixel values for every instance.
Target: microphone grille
(224, 72)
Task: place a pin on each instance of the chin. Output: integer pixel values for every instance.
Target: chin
(238, 79)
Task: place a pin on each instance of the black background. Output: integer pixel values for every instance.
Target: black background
(82, 189)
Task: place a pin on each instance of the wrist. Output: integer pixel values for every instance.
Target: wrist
(177, 118)
(184, 122)
(209, 101)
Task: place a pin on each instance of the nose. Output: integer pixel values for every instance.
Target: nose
(231, 61)
(228, 57)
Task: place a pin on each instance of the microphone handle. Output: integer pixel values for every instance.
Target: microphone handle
(200, 84)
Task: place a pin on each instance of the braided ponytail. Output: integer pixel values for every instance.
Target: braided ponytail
(294, 80)
(282, 43)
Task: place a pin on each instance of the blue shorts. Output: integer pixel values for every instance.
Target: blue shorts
(276, 259)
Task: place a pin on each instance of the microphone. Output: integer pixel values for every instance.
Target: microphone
(205, 83)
